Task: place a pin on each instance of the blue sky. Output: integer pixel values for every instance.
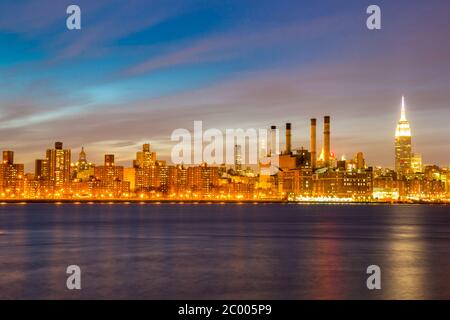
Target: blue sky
(137, 70)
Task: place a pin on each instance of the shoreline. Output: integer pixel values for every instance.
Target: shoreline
(167, 201)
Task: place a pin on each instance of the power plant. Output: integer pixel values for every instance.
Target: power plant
(291, 159)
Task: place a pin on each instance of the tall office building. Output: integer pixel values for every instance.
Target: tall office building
(416, 163)
(129, 174)
(145, 158)
(110, 178)
(109, 172)
(8, 157)
(11, 176)
(58, 161)
(202, 179)
(41, 169)
(177, 179)
(147, 170)
(403, 143)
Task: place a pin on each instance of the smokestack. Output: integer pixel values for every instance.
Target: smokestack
(326, 140)
(288, 138)
(273, 140)
(313, 143)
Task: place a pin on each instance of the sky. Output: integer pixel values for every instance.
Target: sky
(139, 69)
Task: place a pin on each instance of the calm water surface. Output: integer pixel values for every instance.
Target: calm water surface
(218, 251)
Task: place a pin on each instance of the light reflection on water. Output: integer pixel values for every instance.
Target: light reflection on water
(216, 251)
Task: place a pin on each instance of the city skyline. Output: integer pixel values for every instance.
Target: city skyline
(185, 62)
(305, 144)
(283, 172)
(402, 131)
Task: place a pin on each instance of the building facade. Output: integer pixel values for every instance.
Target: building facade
(403, 150)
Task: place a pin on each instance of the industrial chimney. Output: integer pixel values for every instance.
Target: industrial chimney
(326, 140)
(313, 143)
(273, 141)
(288, 138)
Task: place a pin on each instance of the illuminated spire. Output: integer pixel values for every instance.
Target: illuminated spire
(403, 113)
(403, 129)
(82, 157)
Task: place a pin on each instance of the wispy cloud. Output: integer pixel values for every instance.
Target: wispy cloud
(235, 43)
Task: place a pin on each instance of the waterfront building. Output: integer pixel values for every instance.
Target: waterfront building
(11, 177)
(41, 170)
(355, 184)
(109, 179)
(148, 170)
(129, 174)
(145, 158)
(58, 162)
(296, 181)
(202, 180)
(177, 180)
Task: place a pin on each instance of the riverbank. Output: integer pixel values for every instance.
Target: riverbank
(203, 201)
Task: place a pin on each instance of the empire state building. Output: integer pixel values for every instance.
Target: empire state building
(403, 143)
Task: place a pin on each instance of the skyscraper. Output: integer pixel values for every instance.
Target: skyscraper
(109, 172)
(11, 176)
(41, 169)
(416, 162)
(147, 170)
(110, 178)
(8, 157)
(145, 158)
(59, 165)
(403, 143)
